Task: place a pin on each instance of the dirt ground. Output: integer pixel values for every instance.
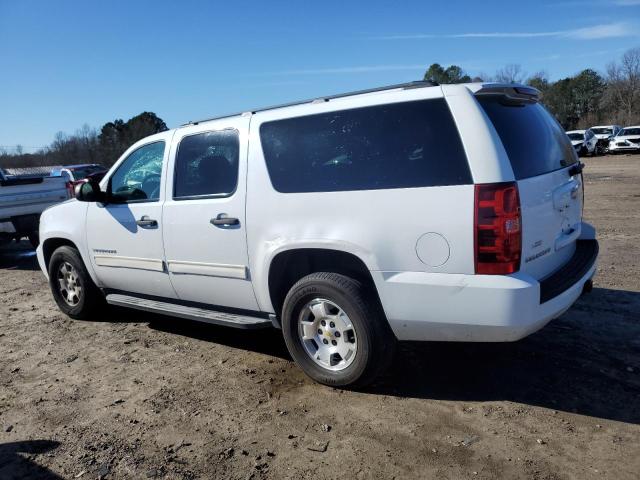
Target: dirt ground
(143, 396)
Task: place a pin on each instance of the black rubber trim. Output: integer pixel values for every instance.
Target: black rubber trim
(567, 276)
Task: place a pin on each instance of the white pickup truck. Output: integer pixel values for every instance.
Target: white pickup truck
(23, 198)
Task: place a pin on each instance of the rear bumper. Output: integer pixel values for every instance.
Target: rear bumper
(424, 306)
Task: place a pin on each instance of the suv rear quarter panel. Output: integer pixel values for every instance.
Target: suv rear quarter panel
(381, 227)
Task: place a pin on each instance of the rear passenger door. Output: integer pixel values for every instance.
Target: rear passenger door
(204, 215)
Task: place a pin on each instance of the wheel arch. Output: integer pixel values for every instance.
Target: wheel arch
(51, 244)
(289, 266)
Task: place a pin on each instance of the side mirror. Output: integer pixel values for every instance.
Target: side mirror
(89, 192)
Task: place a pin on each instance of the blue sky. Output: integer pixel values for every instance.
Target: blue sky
(66, 63)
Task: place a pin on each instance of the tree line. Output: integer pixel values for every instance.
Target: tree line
(583, 100)
(88, 145)
(580, 101)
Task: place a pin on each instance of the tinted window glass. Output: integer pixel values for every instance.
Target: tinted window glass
(402, 145)
(138, 176)
(534, 141)
(207, 164)
(84, 172)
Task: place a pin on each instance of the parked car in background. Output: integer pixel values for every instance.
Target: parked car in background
(627, 140)
(411, 212)
(23, 198)
(583, 141)
(604, 133)
(79, 173)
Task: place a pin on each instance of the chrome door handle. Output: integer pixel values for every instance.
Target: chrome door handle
(145, 221)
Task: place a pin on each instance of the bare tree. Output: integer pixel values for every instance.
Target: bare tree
(511, 73)
(622, 96)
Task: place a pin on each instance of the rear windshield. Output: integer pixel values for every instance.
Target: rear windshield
(535, 142)
(576, 136)
(602, 131)
(401, 145)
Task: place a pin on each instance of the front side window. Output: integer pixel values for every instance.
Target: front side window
(400, 145)
(207, 165)
(137, 179)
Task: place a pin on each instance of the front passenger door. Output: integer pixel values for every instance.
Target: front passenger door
(204, 215)
(124, 235)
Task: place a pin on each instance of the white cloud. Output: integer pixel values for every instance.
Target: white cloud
(611, 30)
(608, 30)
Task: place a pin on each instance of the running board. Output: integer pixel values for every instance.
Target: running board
(190, 313)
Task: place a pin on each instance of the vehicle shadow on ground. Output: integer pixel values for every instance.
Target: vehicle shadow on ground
(267, 341)
(586, 362)
(18, 256)
(14, 465)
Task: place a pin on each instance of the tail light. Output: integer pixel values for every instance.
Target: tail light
(498, 228)
(70, 189)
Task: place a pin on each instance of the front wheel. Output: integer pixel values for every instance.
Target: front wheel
(335, 330)
(71, 285)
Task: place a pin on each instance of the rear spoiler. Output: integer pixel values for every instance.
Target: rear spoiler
(511, 92)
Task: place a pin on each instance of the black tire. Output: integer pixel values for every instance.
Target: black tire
(90, 299)
(34, 239)
(375, 340)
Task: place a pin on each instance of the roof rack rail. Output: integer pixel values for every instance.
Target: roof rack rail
(405, 86)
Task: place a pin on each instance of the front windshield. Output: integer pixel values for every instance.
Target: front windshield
(576, 136)
(629, 131)
(602, 131)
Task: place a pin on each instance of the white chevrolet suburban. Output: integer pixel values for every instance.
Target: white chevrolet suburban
(411, 212)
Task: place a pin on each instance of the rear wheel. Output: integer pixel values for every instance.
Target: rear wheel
(335, 330)
(71, 285)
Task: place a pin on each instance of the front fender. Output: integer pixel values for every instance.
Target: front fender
(66, 221)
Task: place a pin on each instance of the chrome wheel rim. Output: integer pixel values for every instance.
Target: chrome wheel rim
(327, 334)
(69, 284)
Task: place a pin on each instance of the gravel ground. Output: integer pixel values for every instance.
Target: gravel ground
(143, 396)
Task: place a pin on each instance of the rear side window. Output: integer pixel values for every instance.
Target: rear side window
(402, 145)
(535, 142)
(207, 165)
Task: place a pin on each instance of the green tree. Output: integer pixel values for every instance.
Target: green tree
(539, 80)
(452, 74)
(115, 137)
